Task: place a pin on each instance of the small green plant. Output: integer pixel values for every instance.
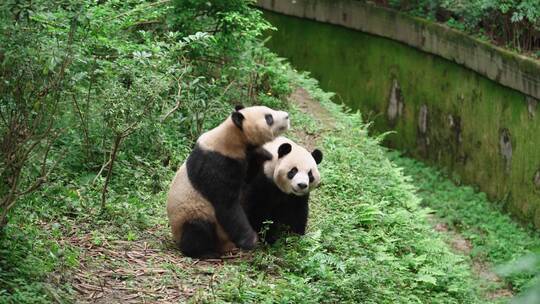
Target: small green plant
(264, 229)
(453, 23)
(530, 265)
(494, 236)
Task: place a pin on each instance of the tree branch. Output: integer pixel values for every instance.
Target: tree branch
(116, 145)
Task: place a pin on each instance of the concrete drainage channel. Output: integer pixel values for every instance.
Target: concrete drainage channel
(453, 101)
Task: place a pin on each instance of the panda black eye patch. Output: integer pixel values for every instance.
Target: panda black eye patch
(269, 119)
(292, 173)
(310, 175)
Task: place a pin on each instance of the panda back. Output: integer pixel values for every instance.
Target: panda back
(217, 177)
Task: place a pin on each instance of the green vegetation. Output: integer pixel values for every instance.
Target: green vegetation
(466, 114)
(100, 103)
(368, 239)
(494, 236)
(514, 24)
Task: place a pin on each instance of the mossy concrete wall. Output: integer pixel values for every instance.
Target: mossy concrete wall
(442, 112)
(518, 72)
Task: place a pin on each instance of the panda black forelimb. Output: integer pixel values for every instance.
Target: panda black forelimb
(234, 221)
(255, 157)
(219, 179)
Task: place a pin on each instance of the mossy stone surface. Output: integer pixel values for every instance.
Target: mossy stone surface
(468, 122)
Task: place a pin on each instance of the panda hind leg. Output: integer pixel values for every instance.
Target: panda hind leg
(199, 240)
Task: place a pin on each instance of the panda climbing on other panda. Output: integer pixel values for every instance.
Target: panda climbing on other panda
(279, 188)
(203, 203)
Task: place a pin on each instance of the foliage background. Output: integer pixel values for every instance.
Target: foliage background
(102, 100)
(510, 23)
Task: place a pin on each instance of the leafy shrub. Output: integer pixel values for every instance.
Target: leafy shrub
(511, 23)
(34, 76)
(100, 102)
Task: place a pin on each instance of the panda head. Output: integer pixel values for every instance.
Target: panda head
(295, 169)
(260, 124)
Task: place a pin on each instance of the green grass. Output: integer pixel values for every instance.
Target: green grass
(368, 238)
(495, 237)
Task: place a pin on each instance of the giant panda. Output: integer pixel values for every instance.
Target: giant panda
(203, 205)
(279, 190)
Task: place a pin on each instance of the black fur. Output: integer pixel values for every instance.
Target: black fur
(199, 239)
(237, 119)
(219, 179)
(264, 201)
(255, 156)
(284, 149)
(269, 119)
(317, 156)
(292, 173)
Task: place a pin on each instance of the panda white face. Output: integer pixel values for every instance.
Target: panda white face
(300, 181)
(295, 169)
(260, 124)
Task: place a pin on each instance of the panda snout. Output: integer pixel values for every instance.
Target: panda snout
(302, 186)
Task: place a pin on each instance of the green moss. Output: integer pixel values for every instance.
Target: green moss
(495, 238)
(360, 68)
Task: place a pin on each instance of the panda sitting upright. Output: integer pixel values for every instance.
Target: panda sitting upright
(279, 189)
(203, 204)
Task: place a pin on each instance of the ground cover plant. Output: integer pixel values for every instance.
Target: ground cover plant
(101, 101)
(492, 234)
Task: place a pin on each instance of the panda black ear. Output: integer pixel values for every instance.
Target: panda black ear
(238, 107)
(317, 155)
(284, 149)
(237, 119)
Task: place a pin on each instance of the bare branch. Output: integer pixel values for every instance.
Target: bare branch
(177, 105)
(144, 22)
(101, 171)
(116, 145)
(128, 130)
(83, 124)
(226, 89)
(44, 174)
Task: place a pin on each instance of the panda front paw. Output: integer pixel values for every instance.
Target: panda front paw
(249, 242)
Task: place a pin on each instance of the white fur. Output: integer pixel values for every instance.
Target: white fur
(277, 168)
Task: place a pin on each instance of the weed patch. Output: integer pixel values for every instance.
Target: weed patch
(493, 235)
